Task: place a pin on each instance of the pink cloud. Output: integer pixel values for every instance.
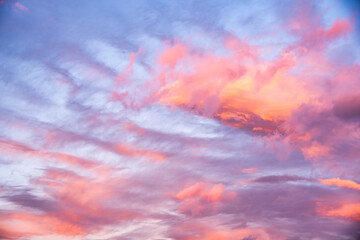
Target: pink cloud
(80, 206)
(266, 97)
(298, 104)
(243, 90)
(129, 150)
(20, 6)
(191, 192)
(202, 197)
(173, 54)
(197, 230)
(15, 148)
(249, 170)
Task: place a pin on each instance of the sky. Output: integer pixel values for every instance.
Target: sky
(179, 120)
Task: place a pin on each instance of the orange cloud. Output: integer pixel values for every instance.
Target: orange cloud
(240, 90)
(348, 211)
(340, 183)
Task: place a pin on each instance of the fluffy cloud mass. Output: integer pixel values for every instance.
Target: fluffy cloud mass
(184, 120)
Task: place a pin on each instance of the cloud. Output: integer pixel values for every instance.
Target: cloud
(278, 179)
(348, 108)
(76, 205)
(199, 198)
(20, 6)
(249, 170)
(340, 183)
(139, 120)
(196, 230)
(348, 211)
